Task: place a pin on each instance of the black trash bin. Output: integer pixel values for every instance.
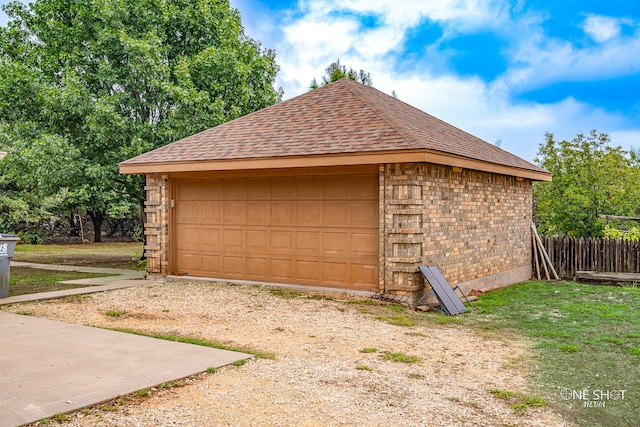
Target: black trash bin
(7, 247)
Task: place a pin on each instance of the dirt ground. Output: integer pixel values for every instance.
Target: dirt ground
(335, 361)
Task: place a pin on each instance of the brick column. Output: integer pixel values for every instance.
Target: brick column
(156, 227)
(403, 229)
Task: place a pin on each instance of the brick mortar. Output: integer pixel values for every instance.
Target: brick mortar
(474, 224)
(157, 224)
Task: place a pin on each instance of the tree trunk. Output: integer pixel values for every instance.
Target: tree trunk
(74, 227)
(97, 218)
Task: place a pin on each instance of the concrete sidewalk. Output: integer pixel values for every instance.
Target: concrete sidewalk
(49, 367)
(116, 279)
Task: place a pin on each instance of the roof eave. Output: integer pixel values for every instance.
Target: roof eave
(469, 163)
(405, 156)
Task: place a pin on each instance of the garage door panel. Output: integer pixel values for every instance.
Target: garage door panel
(282, 213)
(190, 262)
(335, 272)
(308, 187)
(189, 212)
(258, 213)
(362, 216)
(363, 274)
(319, 229)
(234, 189)
(281, 241)
(211, 212)
(336, 187)
(282, 269)
(233, 265)
(190, 240)
(210, 189)
(283, 187)
(308, 242)
(233, 239)
(211, 238)
(336, 214)
(212, 264)
(191, 190)
(258, 240)
(257, 267)
(234, 213)
(308, 271)
(309, 214)
(259, 188)
(364, 244)
(363, 187)
(335, 243)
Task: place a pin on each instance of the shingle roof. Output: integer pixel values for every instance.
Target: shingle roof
(344, 117)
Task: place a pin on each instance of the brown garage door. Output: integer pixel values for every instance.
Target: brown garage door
(318, 228)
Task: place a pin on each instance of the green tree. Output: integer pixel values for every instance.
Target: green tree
(336, 71)
(85, 85)
(590, 178)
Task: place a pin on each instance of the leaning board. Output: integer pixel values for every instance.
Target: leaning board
(449, 301)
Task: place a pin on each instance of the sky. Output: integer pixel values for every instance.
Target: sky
(507, 71)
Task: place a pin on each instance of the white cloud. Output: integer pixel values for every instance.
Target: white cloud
(540, 61)
(408, 13)
(322, 31)
(601, 28)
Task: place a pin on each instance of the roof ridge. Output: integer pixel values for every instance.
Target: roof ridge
(406, 134)
(388, 119)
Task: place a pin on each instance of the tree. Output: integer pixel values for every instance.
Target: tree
(336, 71)
(590, 178)
(85, 85)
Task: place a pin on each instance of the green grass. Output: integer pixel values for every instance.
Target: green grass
(400, 357)
(24, 280)
(114, 313)
(284, 293)
(196, 341)
(109, 255)
(520, 403)
(368, 350)
(401, 320)
(397, 319)
(502, 394)
(584, 337)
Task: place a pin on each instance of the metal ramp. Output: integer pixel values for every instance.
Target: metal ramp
(444, 293)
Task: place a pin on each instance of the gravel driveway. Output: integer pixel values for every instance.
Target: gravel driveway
(319, 376)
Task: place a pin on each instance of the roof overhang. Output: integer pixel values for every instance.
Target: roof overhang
(419, 156)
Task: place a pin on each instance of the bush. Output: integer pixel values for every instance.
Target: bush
(631, 235)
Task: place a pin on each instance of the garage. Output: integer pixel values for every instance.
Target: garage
(343, 186)
(317, 227)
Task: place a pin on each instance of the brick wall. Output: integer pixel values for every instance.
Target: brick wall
(471, 224)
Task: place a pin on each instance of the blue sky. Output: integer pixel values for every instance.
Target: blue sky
(503, 70)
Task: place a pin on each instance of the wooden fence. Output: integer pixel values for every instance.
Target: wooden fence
(570, 255)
